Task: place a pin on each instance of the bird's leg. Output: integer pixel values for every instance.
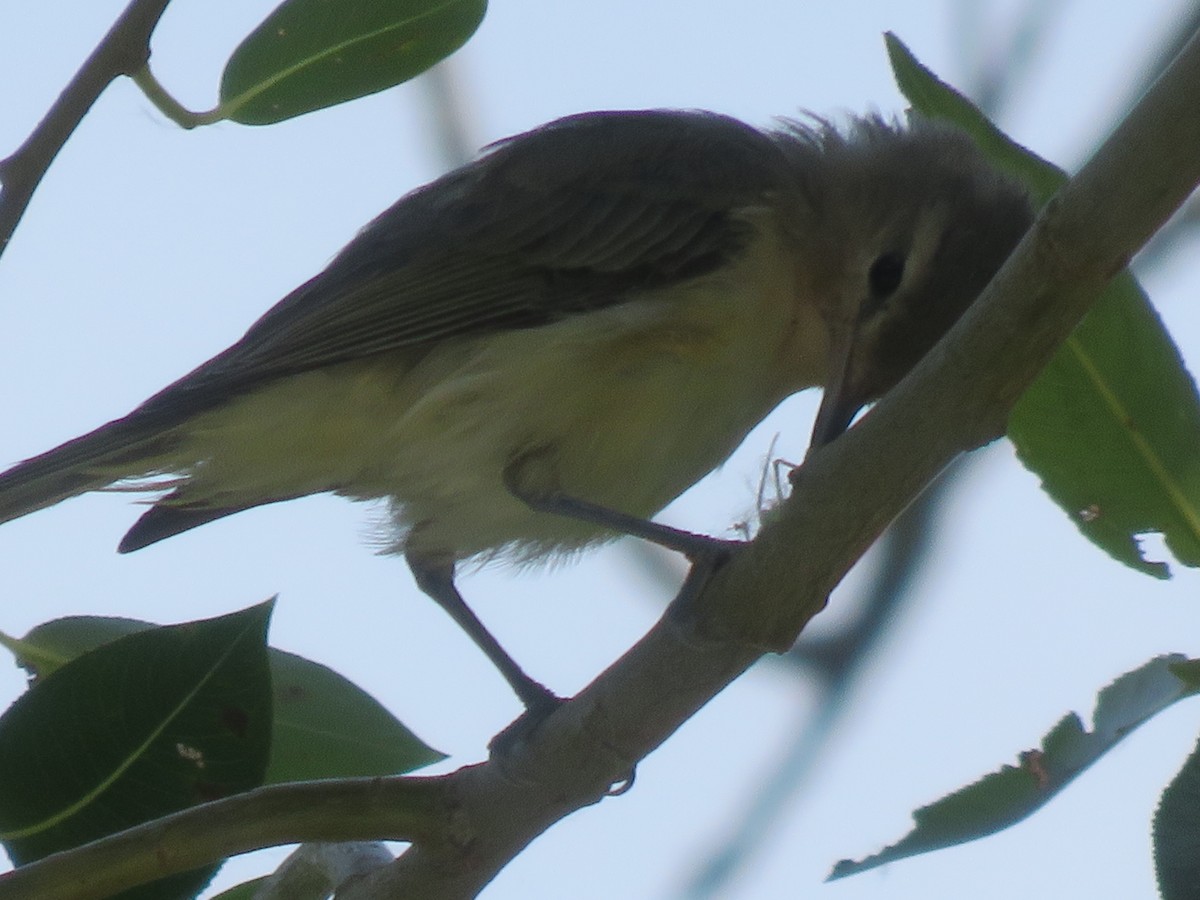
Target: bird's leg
(696, 547)
(436, 579)
(705, 553)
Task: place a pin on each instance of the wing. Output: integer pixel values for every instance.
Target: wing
(575, 216)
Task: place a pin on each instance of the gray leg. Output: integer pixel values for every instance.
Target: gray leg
(696, 547)
(436, 579)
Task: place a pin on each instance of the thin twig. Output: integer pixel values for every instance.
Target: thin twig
(838, 660)
(449, 111)
(123, 51)
(997, 67)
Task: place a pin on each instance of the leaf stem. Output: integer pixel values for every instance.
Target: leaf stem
(123, 51)
(169, 106)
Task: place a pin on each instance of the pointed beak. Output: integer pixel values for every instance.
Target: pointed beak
(842, 398)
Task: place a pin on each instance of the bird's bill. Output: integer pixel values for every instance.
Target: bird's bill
(840, 402)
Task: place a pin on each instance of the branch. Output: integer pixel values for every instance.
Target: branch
(123, 51)
(1174, 236)
(838, 662)
(997, 65)
(314, 871)
(956, 399)
(448, 108)
(351, 809)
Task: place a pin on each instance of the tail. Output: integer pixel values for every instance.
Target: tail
(124, 448)
(134, 446)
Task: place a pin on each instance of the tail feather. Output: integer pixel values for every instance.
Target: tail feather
(164, 520)
(124, 448)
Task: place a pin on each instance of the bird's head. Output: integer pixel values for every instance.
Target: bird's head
(918, 222)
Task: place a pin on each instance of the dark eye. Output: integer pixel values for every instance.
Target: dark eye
(885, 275)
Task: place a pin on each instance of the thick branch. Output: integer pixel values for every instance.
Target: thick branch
(958, 398)
(123, 51)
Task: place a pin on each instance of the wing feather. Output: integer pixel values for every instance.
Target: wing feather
(581, 214)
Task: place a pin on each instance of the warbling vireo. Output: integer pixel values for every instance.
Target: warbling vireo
(602, 307)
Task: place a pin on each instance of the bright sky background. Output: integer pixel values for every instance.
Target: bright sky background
(148, 249)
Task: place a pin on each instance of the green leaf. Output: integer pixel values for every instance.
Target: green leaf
(1014, 792)
(1177, 833)
(143, 726)
(324, 725)
(1112, 426)
(310, 54)
(327, 727)
(934, 99)
(244, 891)
(50, 646)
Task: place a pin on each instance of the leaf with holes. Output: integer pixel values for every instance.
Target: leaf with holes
(148, 724)
(1006, 797)
(1177, 833)
(1112, 426)
(325, 726)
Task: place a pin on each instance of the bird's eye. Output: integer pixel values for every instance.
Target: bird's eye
(885, 275)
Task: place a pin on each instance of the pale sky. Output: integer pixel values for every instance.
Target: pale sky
(148, 249)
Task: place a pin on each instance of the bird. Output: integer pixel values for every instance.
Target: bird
(599, 309)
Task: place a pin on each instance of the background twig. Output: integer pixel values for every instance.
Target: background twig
(123, 51)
